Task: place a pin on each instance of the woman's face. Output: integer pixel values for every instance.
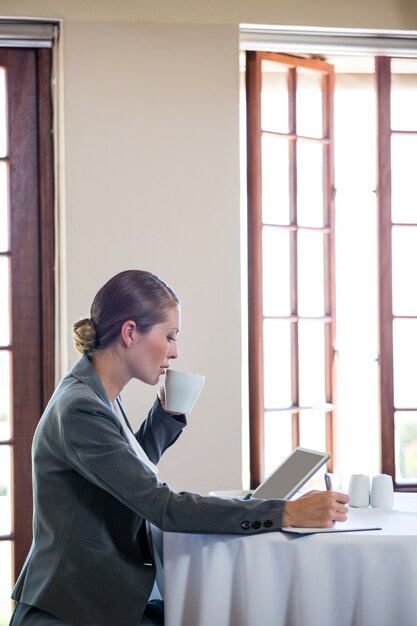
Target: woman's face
(152, 351)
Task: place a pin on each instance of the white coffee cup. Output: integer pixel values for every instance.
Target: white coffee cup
(359, 490)
(182, 390)
(382, 491)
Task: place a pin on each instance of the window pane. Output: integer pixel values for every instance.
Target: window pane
(357, 330)
(276, 272)
(311, 356)
(275, 180)
(5, 582)
(274, 97)
(404, 94)
(354, 111)
(404, 271)
(309, 103)
(404, 179)
(310, 274)
(4, 395)
(309, 184)
(5, 492)
(313, 430)
(278, 444)
(3, 116)
(405, 350)
(406, 446)
(4, 208)
(4, 302)
(277, 363)
(356, 274)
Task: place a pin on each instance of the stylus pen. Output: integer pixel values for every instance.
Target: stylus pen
(328, 481)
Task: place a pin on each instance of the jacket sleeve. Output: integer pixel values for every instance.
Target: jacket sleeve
(96, 449)
(159, 431)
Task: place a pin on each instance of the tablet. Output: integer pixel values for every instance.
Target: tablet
(291, 475)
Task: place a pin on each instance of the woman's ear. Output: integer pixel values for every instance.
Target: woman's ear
(128, 332)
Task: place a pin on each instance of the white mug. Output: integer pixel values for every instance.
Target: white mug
(182, 390)
(359, 490)
(382, 492)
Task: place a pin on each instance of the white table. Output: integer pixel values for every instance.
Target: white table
(276, 579)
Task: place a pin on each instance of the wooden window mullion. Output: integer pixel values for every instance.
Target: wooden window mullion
(329, 259)
(47, 220)
(255, 314)
(292, 127)
(383, 87)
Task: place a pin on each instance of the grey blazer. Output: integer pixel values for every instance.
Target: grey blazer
(91, 561)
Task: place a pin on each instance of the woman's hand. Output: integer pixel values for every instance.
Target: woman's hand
(316, 509)
(161, 396)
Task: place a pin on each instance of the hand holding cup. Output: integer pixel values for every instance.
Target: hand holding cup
(181, 391)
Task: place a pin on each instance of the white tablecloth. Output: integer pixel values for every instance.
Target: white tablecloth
(277, 579)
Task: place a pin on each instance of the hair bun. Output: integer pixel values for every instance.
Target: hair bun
(84, 335)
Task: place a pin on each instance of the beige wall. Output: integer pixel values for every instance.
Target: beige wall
(150, 173)
(152, 181)
(390, 14)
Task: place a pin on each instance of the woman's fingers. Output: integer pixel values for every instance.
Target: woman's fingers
(161, 395)
(317, 510)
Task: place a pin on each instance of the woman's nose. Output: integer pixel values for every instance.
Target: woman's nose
(174, 351)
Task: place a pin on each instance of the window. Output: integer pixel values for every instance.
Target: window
(26, 290)
(397, 136)
(290, 195)
(301, 242)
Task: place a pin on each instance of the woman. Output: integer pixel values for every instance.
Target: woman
(95, 483)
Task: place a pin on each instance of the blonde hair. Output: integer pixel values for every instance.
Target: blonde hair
(84, 335)
(135, 295)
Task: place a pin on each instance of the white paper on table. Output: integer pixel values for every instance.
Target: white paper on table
(343, 527)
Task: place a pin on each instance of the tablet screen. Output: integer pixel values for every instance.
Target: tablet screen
(291, 475)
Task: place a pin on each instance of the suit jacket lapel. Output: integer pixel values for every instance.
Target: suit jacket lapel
(119, 404)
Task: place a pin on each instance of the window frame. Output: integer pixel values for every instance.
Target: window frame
(32, 259)
(255, 226)
(384, 45)
(387, 317)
